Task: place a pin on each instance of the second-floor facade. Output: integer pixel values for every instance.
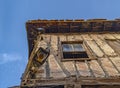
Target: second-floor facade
(73, 54)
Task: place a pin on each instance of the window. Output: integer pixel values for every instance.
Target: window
(115, 44)
(74, 51)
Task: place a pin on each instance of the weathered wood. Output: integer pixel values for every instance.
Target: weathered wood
(117, 36)
(101, 81)
(96, 68)
(86, 37)
(58, 59)
(101, 86)
(82, 69)
(62, 37)
(87, 48)
(116, 61)
(41, 44)
(31, 57)
(67, 73)
(90, 70)
(103, 70)
(69, 66)
(55, 69)
(77, 72)
(115, 45)
(47, 69)
(41, 73)
(109, 36)
(70, 38)
(69, 86)
(109, 67)
(78, 86)
(78, 37)
(54, 42)
(46, 38)
(94, 47)
(103, 45)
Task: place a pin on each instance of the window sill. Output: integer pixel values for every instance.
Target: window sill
(77, 59)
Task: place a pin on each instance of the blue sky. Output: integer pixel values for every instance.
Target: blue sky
(14, 14)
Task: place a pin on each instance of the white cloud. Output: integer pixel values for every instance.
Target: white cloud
(6, 57)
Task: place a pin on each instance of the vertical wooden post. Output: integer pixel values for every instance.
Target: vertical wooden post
(69, 86)
(77, 86)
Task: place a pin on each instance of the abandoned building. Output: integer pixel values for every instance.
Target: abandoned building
(73, 54)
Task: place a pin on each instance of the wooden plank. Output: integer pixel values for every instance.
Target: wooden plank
(47, 69)
(101, 86)
(96, 68)
(46, 38)
(86, 37)
(62, 38)
(95, 48)
(55, 69)
(109, 36)
(78, 38)
(115, 45)
(70, 38)
(82, 69)
(54, 42)
(42, 44)
(41, 73)
(58, 59)
(69, 66)
(117, 36)
(116, 61)
(103, 45)
(109, 67)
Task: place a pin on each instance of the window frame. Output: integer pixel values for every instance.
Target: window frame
(85, 47)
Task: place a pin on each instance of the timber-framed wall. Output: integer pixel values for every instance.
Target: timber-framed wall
(101, 71)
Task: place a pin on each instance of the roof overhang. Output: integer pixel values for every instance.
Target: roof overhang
(35, 27)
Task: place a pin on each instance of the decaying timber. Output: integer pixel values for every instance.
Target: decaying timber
(101, 41)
